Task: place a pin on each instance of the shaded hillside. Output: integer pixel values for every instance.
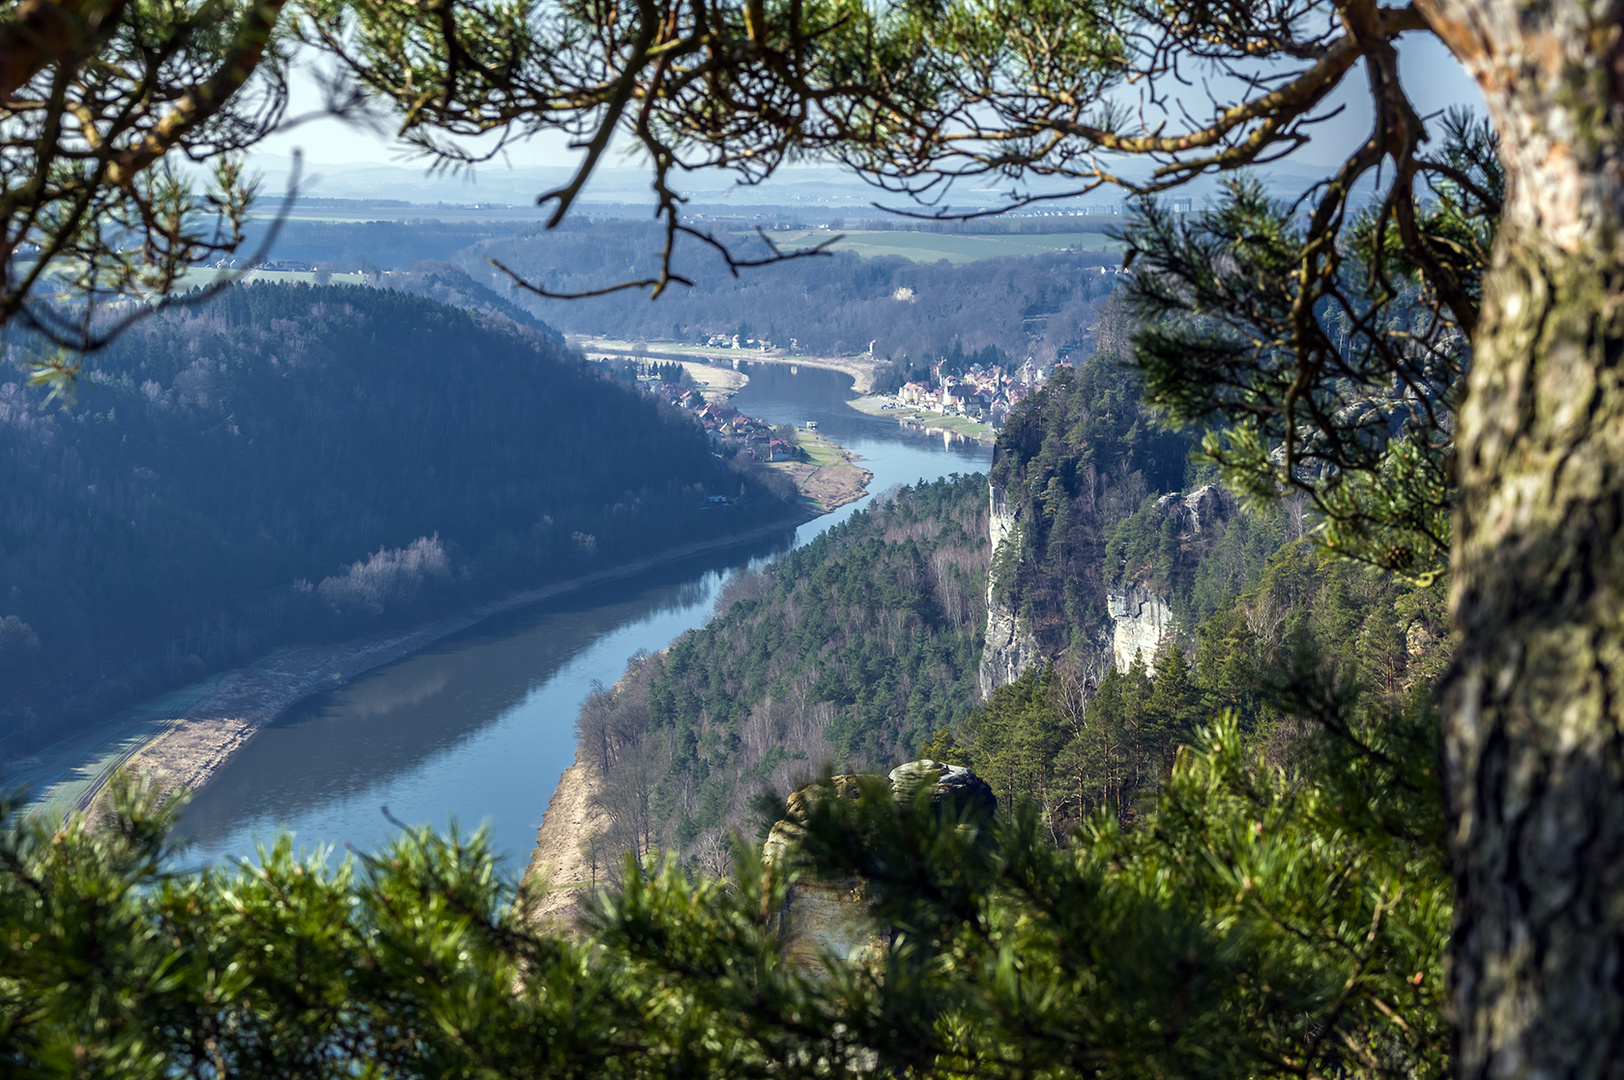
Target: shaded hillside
(293, 462)
(850, 650)
(445, 283)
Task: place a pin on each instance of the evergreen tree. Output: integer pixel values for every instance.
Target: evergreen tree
(1169, 718)
(1016, 736)
(1256, 922)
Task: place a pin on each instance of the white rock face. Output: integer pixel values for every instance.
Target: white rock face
(1208, 503)
(1010, 648)
(1141, 622)
(1009, 651)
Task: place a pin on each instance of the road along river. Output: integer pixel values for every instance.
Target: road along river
(478, 727)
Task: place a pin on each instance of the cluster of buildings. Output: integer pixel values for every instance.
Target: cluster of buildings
(980, 393)
(730, 431)
(734, 341)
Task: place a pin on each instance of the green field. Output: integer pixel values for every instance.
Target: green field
(954, 247)
(819, 450)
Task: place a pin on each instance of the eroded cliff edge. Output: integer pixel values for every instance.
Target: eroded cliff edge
(563, 858)
(1010, 647)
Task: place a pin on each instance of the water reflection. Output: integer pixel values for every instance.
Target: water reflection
(479, 726)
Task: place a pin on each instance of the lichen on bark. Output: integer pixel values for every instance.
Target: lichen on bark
(1535, 744)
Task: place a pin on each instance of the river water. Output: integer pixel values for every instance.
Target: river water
(477, 728)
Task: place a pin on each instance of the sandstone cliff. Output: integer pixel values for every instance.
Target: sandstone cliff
(1009, 647)
(1140, 622)
(1142, 619)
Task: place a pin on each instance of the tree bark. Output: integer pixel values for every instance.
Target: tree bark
(1534, 738)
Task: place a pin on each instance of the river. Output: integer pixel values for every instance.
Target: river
(478, 728)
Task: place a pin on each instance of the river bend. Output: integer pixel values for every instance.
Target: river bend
(477, 728)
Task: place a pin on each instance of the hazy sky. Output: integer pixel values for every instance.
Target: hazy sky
(1433, 78)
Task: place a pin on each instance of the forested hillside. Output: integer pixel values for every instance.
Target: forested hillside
(833, 304)
(295, 462)
(446, 283)
(1111, 517)
(851, 650)
(855, 652)
(1080, 735)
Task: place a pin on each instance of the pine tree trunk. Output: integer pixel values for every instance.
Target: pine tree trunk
(1534, 741)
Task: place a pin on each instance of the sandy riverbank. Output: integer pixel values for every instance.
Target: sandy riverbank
(716, 385)
(830, 475)
(558, 861)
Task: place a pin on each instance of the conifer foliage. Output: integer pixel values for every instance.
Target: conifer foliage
(852, 649)
(1260, 921)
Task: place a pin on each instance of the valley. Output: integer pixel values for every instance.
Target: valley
(1065, 626)
(1013, 542)
(480, 725)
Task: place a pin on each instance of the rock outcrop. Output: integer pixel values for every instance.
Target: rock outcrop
(1141, 618)
(1206, 506)
(955, 790)
(830, 916)
(1140, 622)
(1009, 647)
(824, 916)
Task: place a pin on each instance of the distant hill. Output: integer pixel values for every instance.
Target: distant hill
(297, 462)
(387, 245)
(921, 308)
(834, 304)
